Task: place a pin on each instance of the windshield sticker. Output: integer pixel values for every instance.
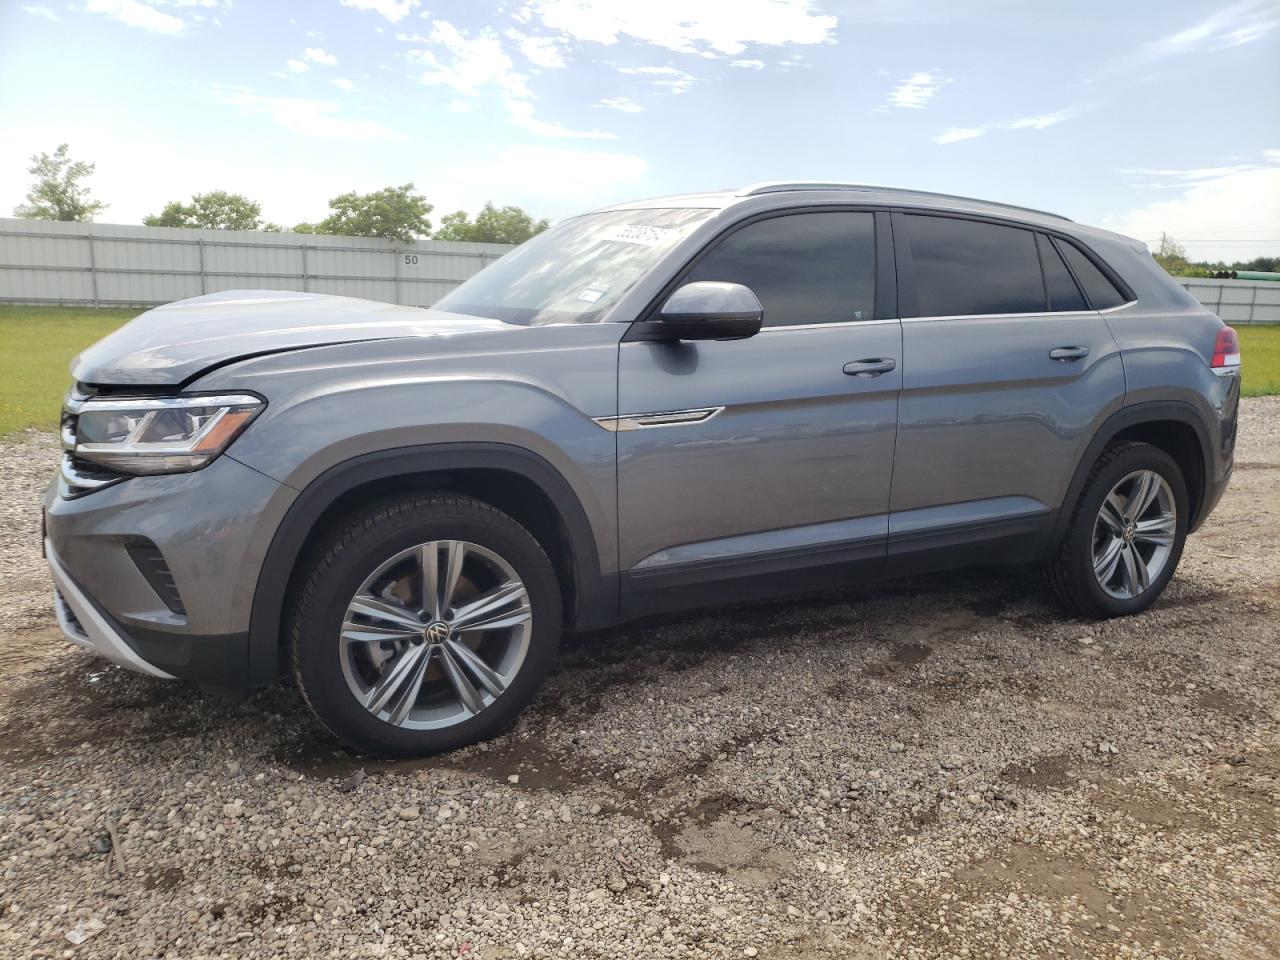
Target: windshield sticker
(591, 294)
(639, 233)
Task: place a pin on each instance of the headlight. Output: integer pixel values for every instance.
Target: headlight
(162, 434)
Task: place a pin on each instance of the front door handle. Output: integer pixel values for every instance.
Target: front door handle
(1068, 354)
(869, 368)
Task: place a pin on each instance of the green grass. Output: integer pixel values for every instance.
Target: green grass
(36, 347)
(1260, 350)
(37, 344)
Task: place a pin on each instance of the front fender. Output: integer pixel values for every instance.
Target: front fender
(596, 593)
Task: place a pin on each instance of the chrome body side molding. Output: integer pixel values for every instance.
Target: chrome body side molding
(668, 418)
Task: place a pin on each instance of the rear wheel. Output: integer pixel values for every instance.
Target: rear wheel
(1125, 536)
(424, 623)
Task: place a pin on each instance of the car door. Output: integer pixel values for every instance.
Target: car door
(1007, 372)
(768, 456)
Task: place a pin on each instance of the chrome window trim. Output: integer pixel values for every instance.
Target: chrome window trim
(666, 418)
(827, 326)
(1020, 316)
(1119, 306)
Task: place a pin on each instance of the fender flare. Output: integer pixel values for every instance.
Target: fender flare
(1139, 413)
(596, 593)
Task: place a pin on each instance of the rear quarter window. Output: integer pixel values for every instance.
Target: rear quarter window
(1102, 293)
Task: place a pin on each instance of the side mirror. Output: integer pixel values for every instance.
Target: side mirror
(709, 310)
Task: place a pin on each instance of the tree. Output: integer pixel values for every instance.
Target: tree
(58, 193)
(1263, 264)
(215, 210)
(1173, 257)
(396, 213)
(491, 225)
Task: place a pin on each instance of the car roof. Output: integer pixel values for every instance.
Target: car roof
(864, 192)
(779, 193)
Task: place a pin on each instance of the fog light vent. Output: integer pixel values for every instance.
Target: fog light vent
(151, 563)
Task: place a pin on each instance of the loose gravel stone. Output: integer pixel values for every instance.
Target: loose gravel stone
(905, 770)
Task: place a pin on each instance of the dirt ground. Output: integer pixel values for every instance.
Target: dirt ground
(938, 767)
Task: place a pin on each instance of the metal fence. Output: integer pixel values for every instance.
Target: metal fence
(1237, 301)
(102, 264)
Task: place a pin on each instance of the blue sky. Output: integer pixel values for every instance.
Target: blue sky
(1140, 116)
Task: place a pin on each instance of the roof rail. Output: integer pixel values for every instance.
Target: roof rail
(784, 186)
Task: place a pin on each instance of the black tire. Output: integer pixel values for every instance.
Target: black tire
(1070, 573)
(333, 572)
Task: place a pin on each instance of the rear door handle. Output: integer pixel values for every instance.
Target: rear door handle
(1067, 354)
(869, 368)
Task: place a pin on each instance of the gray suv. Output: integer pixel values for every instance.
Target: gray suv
(659, 405)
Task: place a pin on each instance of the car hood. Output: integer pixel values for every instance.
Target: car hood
(174, 343)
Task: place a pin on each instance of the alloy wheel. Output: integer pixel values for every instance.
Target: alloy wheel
(435, 634)
(1134, 533)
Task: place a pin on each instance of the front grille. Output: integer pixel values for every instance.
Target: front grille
(79, 475)
(150, 561)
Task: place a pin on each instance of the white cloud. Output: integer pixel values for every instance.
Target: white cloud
(1040, 121)
(718, 29)
(1232, 26)
(135, 14)
(471, 64)
(1179, 178)
(342, 83)
(40, 10)
(671, 79)
(622, 103)
(311, 118)
(545, 52)
(393, 10)
(748, 64)
(956, 134)
(1230, 215)
(917, 90)
(520, 112)
(317, 55)
(535, 175)
(297, 66)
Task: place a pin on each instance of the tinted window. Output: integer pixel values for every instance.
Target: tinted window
(965, 267)
(1101, 291)
(805, 267)
(1062, 290)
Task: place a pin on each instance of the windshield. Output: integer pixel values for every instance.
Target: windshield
(575, 271)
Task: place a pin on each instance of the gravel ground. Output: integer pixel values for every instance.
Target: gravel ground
(939, 767)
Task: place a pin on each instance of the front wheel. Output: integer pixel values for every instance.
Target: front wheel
(1125, 536)
(424, 623)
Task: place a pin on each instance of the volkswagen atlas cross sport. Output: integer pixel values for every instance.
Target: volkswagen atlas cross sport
(659, 405)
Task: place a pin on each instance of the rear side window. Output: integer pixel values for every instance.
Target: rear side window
(1101, 292)
(1062, 289)
(804, 267)
(965, 267)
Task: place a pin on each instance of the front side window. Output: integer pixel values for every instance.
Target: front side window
(805, 267)
(575, 271)
(967, 267)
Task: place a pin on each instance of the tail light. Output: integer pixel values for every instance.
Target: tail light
(1226, 350)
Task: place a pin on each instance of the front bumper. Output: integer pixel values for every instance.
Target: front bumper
(158, 573)
(84, 625)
